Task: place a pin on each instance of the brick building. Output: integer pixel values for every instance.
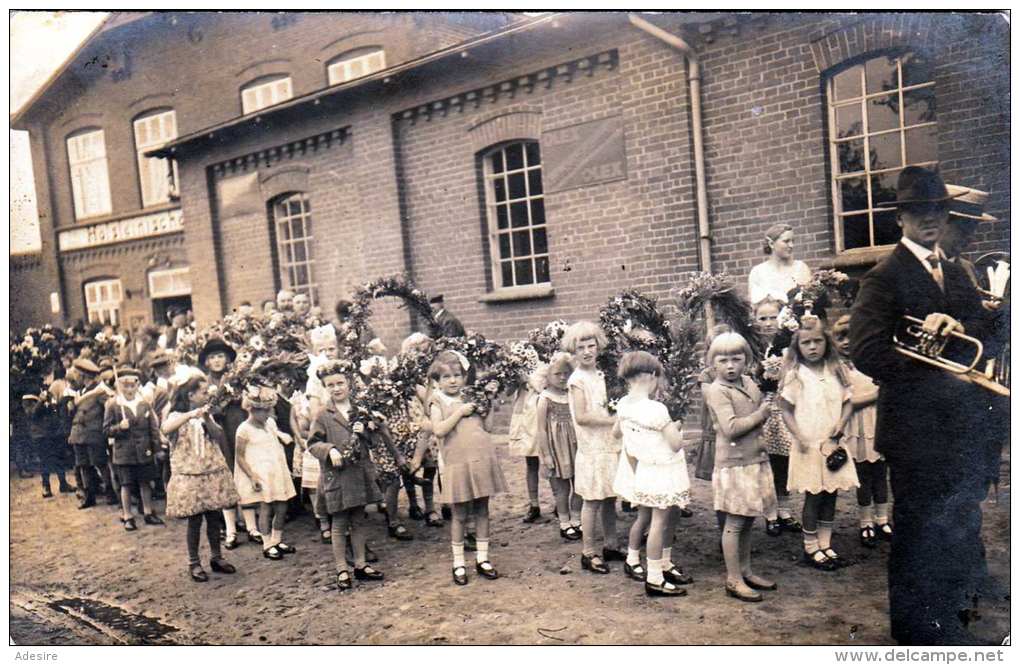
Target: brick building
(528, 168)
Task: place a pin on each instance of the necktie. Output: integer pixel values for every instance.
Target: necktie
(936, 271)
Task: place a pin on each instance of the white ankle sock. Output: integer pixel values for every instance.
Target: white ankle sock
(575, 523)
(633, 557)
(564, 526)
(810, 541)
(654, 571)
(667, 557)
(483, 551)
(824, 534)
(228, 519)
(866, 515)
(881, 513)
(784, 507)
(277, 537)
(458, 554)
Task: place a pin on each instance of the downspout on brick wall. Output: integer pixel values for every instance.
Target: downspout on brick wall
(694, 83)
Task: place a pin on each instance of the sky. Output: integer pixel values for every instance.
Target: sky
(40, 42)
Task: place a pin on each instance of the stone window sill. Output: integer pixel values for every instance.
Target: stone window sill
(519, 293)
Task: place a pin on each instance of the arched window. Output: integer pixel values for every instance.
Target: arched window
(515, 207)
(90, 177)
(881, 119)
(291, 219)
(102, 301)
(265, 91)
(355, 64)
(152, 130)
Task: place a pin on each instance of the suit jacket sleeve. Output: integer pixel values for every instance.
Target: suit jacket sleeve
(111, 421)
(873, 322)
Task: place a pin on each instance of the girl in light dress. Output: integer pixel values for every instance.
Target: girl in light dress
(523, 425)
(260, 471)
(598, 451)
(815, 398)
(426, 453)
(653, 447)
(557, 443)
(471, 471)
(742, 478)
(780, 273)
(859, 438)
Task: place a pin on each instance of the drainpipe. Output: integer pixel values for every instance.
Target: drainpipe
(694, 83)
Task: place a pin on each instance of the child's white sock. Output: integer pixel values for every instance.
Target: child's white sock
(564, 525)
(250, 519)
(458, 554)
(667, 557)
(277, 537)
(633, 557)
(575, 523)
(881, 513)
(655, 571)
(824, 534)
(866, 515)
(483, 551)
(228, 519)
(784, 507)
(810, 541)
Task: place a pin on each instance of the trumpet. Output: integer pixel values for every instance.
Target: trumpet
(919, 344)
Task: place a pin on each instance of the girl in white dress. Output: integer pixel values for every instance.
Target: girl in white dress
(523, 427)
(815, 398)
(780, 272)
(598, 452)
(260, 472)
(660, 484)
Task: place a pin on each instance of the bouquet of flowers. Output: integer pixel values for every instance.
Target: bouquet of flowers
(546, 340)
(817, 295)
(719, 292)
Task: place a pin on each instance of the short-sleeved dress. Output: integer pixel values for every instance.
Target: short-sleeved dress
(523, 424)
(200, 480)
(859, 435)
(598, 452)
(817, 400)
(660, 479)
(268, 460)
(470, 467)
(765, 279)
(562, 438)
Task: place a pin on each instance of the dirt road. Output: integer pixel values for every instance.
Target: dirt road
(78, 578)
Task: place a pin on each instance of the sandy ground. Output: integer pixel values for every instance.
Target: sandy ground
(543, 597)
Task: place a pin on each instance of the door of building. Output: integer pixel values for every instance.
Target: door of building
(169, 287)
(160, 306)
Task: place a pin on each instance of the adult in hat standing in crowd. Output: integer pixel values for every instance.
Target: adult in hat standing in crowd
(966, 213)
(177, 316)
(924, 419)
(131, 422)
(44, 431)
(87, 436)
(447, 325)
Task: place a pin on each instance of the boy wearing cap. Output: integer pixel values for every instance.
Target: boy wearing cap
(87, 438)
(44, 431)
(130, 421)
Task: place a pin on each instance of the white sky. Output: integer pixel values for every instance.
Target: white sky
(40, 42)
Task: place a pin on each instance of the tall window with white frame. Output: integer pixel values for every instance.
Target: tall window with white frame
(355, 64)
(102, 301)
(265, 92)
(90, 178)
(881, 119)
(153, 130)
(292, 224)
(515, 207)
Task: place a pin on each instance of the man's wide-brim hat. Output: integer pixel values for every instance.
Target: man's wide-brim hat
(216, 345)
(157, 358)
(85, 365)
(919, 185)
(968, 204)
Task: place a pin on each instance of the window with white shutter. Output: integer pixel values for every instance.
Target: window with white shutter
(102, 301)
(265, 92)
(153, 131)
(355, 64)
(170, 283)
(90, 179)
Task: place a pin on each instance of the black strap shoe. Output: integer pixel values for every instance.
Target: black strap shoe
(272, 553)
(664, 589)
(343, 581)
(129, 524)
(774, 528)
(610, 554)
(460, 576)
(532, 516)
(197, 573)
(153, 519)
(486, 570)
(636, 572)
(285, 548)
(595, 564)
(221, 566)
(367, 574)
(676, 575)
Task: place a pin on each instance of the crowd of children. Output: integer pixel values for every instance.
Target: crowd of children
(787, 420)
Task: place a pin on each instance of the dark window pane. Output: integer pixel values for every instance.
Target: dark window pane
(284, 231)
(301, 273)
(524, 273)
(288, 253)
(883, 189)
(497, 161)
(522, 243)
(542, 269)
(535, 182)
(922, 144)
(540, 241)
(517, 186)
(295, 206)
(519, 214)
(854, 195)
(851, 156)
(887, 231)
(847, 84)
(916, 70)
(885, 151)
(504, 245)
(499, 189)
(855, 232)
(533, 154)
(848, 121)
(881, 74)
(883, 113)
(918, 106)
(514, 157)
(538, 212)
(297, 227)
(502, 219)
(299, 252)
(507, 273)
(306, 205)
(292, 276)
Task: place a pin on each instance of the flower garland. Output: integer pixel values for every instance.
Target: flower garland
(719, 292)
(818, 294)
(360, 311)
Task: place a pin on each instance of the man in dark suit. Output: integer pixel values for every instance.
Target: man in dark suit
(447, 325)
(926, 420)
